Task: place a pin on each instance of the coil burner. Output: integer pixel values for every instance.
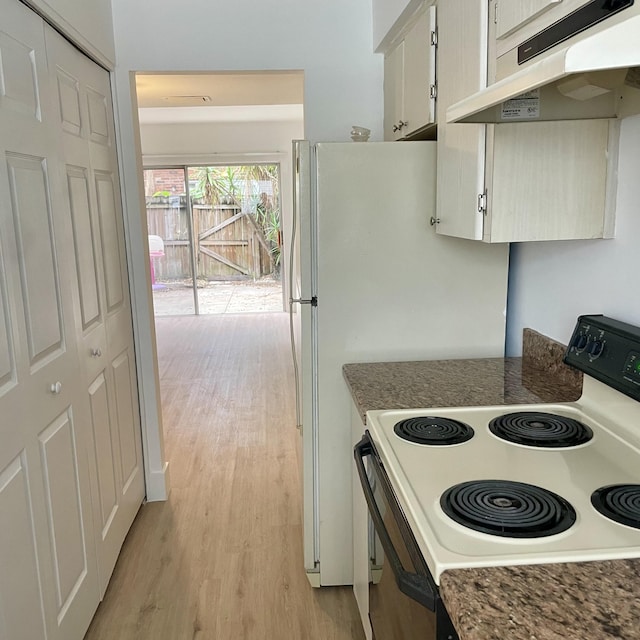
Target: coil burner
(430, 430)
(619, 502)
(536, 429)
(508, 509)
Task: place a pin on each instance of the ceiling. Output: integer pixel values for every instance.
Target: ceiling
(267, 96)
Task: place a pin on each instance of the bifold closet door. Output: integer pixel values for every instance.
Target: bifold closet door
(71, 478)
(48, 571)
(103, 314)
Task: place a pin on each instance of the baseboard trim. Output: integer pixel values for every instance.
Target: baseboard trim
(157, 484)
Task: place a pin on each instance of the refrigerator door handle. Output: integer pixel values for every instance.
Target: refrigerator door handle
(313, 301)
(292, 300)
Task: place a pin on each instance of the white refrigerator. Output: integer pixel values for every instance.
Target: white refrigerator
(371, 281)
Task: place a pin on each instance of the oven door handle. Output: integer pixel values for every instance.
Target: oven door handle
(420, 588)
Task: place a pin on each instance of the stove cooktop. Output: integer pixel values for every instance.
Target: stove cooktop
(500, 475)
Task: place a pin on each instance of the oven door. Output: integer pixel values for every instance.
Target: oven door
(405, 602)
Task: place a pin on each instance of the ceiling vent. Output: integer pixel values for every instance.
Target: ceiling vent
(185, 101)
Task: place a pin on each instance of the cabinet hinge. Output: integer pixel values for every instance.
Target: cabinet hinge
(434, 38)
(433, 91)
(482, 203)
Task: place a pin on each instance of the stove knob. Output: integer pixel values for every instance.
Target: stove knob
(595, 349)
(580, 343)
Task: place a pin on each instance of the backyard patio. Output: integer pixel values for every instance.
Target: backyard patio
(219, 296)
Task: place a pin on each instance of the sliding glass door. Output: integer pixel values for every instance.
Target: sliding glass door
(209, 227)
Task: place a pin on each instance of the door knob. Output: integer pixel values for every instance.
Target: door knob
(56, 388)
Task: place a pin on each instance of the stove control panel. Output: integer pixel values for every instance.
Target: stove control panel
(608, 350)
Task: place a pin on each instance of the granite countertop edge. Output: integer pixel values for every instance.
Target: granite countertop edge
(595, 600)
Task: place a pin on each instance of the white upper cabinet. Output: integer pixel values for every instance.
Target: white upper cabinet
(514, 181)
(461, 71)
(409, 79)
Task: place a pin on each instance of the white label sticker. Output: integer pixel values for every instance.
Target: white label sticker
(522, 107)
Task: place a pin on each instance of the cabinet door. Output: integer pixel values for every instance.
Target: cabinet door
(394, 93)
(462, 68)
(49, 586)
(103, 319)
(549, 180)
(419, 73)
(510, 15)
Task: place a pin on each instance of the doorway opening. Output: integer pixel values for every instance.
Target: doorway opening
(215, 238)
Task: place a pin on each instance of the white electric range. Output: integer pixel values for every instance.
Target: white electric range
(564, 486)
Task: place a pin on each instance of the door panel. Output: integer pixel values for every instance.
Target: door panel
(64, 506)
(83, 236)
(19, 86)
(8, 374)
(31, 208)
(98, 118)
(122, 370)
(112, 260)
(101, 423)
(22, 615)
(69, 97)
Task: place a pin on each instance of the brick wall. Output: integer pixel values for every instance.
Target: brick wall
(171, 180)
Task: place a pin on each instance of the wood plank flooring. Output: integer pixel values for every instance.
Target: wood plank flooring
(222, 558)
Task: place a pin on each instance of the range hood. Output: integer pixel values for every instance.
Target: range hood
(581, 80)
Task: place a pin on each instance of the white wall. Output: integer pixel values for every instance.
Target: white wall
(329, 40)
(388, 17)
(551, 283)
(181, 139)
(189, 143)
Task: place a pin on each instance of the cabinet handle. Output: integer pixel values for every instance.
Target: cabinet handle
(96, 353)
(434, 221)
(56, 388)
(402, 124)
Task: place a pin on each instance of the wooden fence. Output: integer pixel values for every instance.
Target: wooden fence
(228, 243)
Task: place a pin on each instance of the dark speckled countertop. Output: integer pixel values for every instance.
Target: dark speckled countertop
(451, 383)
(575, 601)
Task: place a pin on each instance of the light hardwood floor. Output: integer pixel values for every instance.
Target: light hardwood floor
(222, 558)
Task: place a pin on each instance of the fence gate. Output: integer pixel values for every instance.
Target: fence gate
(228, 243)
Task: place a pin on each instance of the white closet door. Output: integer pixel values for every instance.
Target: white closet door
(47, 553)
(103, 319)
